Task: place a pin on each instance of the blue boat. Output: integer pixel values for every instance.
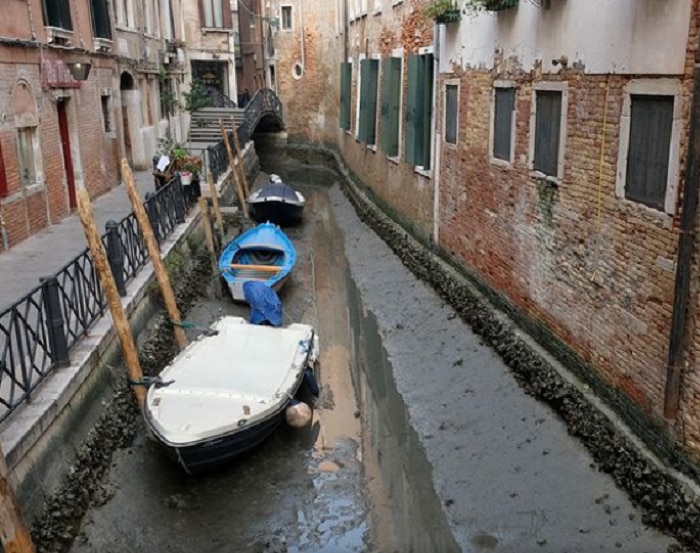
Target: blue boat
(263, 254)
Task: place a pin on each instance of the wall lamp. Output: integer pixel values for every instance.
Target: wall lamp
(79, 70)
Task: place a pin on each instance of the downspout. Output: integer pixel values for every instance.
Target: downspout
(5, 237)
(686, 241)
(437, 139)
(301, 16)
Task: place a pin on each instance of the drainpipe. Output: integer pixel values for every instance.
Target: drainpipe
(437, 139)
(5, 237)
(686, 243)
(301, 16)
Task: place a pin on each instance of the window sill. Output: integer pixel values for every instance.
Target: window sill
(59, 32)
(378, 11)
(427, 173)
(538, 175)
(216, 30)
(33, 188)
(451, 146)
(502, 163)
(394, 159)
(372, 147)
(126, 29)
(102, 44)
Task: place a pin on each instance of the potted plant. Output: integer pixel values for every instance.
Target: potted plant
(443, 11)
(493, 5)
(190, 168)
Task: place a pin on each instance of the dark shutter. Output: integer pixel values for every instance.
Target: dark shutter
(373, 74)
(202, 16)
(547, 131)
(503, 122)
(651, 124)
(364, 100)
(426, 82)
(100, 19)
(451, 103)
(412, 109)
(391, 103)
(226, 7)
(57, 14)
(345, 82)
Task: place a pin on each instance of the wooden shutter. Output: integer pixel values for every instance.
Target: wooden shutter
(547, 131)
(345, 81)
(364, 101)
(391, 104)
(373, 76)
(226, 7)
(503, 122)
(413, 101)
(651, 125)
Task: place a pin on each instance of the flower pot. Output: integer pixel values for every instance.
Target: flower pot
(185, 178)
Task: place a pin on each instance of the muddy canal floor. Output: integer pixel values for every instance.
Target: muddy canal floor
(421, 440)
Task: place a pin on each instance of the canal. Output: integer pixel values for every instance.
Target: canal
(421, 439)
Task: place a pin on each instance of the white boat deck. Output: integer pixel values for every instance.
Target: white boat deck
(228, 381)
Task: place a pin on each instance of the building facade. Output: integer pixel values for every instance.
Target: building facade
(542, 146)
(59, 133)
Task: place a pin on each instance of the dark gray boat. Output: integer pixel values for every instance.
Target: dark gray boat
(277, 202)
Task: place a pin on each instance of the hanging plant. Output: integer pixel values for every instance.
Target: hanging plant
(443, 11)
(493, 5)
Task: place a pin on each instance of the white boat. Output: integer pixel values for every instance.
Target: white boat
(227, 392)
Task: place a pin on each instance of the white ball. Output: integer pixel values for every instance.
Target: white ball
(298, 416)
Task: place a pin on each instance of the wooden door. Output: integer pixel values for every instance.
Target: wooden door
(67, 158)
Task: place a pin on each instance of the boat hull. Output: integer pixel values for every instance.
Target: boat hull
(280, 213)
(220, 450)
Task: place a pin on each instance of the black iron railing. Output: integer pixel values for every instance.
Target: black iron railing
(264, 103)
(38, 330)
(218, 99)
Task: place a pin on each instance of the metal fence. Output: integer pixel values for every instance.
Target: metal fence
(38, 330)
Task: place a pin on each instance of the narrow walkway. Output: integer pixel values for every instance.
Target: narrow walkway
(48, 251)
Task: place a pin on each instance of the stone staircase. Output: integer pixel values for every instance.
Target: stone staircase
(205, 129)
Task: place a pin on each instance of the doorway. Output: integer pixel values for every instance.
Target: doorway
(64, 132)
(129, 96)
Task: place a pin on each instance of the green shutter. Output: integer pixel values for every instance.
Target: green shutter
(396, 89)
(345, 84)
(412, 109)
(364, 101)
(385, 107)
(426, 81)
(373, 73)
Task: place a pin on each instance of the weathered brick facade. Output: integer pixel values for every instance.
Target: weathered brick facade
(573, 255)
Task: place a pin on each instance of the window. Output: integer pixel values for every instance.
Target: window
(57, 14)
(503, 131)
(215, 14)
(451, 113)
(391, 105)
(345, 94)
(167, 97)
(548, 129)
(125, 13)
(100, 19)
(106, 113)
(286, 18)
(26, 143)
(419, 110)
(367, 127)
(648, 162)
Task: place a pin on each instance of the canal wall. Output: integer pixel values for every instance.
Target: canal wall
(650, 467)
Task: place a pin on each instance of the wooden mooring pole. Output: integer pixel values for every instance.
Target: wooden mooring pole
(215, 205)
(154, 252)
(239, 155)
(114, 302)
(14, 535)
(236, 179)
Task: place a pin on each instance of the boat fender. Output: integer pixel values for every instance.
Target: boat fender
(297, 414)
(310, 382)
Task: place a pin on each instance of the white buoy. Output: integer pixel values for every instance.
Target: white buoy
(298, 415)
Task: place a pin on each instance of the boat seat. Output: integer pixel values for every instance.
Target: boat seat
(256, 268)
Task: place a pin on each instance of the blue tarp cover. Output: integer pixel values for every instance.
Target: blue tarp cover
(265, 304)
